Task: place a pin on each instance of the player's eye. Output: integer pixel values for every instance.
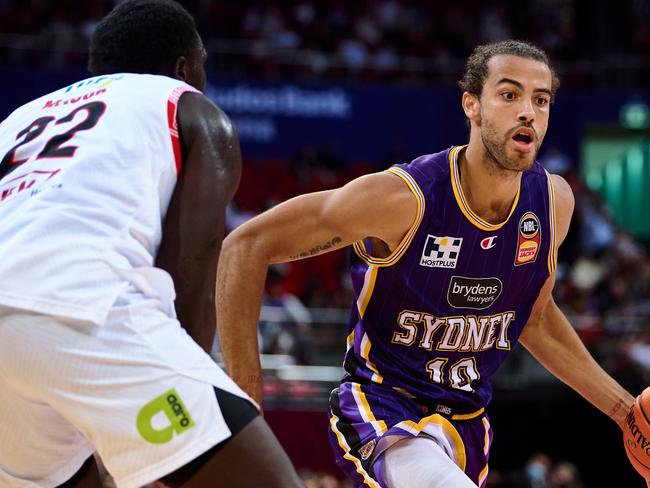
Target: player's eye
(508, 95)
(542, 101)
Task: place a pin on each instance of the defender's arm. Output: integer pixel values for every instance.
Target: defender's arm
(378, 205)
(551, 339)
(195, 222)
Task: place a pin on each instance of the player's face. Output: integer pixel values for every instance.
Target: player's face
(515, 105)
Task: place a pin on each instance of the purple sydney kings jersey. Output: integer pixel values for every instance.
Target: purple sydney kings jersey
(437, 317)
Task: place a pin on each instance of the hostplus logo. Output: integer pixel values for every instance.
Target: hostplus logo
(441, 252)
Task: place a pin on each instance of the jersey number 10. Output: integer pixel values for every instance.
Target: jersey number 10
(461, 374)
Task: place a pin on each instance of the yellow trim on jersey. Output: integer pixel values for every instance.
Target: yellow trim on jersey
(369, 281)
(483, 474)
(468, 416)
(486, 448)
(360, 247)
(366, 412)
(365, 354)
(486, 443)
(552, 250)
(367, 480)
(447, 427)
(349, 341)
(409, 426)
(453, 435)
(462, 202)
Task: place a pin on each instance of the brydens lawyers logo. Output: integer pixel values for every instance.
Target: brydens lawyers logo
(441, 252)
(529, 238)
(474, 293)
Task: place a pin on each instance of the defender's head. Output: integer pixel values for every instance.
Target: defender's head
(508, 87)
(149, 36)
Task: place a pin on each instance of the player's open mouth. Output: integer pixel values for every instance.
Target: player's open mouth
(524, 139)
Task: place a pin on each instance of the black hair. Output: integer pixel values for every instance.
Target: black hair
(142, 36)
(476, 66)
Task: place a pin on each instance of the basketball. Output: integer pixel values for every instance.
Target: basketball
(636, 434)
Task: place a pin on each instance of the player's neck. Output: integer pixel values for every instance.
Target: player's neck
(490, 191)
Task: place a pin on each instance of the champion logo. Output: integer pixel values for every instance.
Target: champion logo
(488, 242)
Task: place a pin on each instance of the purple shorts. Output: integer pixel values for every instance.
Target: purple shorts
(367, 419)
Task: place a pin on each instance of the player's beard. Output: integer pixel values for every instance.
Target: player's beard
(496, 149)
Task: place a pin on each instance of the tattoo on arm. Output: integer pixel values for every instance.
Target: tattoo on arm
(619, 405)
(317, 249)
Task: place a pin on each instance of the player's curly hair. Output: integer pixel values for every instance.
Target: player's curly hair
(476, 66)
(142, 36)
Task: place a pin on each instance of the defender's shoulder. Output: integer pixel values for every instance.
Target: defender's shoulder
(197, 114)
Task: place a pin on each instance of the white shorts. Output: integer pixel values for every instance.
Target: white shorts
(138, 390)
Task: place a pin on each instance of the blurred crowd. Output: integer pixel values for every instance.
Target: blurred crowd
(539, 472)
(603, 285)
(595, 43)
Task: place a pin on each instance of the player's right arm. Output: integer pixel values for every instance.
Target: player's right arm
(378, 205)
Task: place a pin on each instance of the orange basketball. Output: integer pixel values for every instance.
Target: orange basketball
(636, 434)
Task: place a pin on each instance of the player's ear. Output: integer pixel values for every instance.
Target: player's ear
(181, 68)
(472, 107)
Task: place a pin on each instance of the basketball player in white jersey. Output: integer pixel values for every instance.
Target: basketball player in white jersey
(112, 199)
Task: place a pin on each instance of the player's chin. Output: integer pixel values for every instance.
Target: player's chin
(528, 163)
(521, 161)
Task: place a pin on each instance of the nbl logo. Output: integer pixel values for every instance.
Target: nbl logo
(529, 239)
(529, 225)
(441, 252)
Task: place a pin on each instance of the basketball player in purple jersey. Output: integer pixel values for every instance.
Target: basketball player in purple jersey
(455, 257)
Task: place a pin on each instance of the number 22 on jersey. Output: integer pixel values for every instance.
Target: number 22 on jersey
(56, 146)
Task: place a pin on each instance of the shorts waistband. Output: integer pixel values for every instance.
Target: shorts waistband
(451, 411)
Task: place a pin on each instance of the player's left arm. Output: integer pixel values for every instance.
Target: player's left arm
(551, 339)
(195, 222)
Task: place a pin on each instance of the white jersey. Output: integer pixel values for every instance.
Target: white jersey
(92, 168)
